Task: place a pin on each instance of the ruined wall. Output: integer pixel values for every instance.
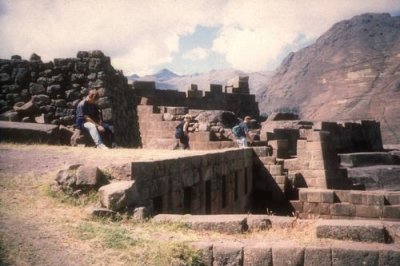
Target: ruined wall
(325, 203)
(237, 100)
(219, 182)
(34, 91)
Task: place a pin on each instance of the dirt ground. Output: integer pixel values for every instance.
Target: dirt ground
(36, 229)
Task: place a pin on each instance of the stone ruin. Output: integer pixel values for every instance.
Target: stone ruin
(47, 93)
(305, 169)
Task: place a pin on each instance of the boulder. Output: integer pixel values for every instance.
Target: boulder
(36, 88)
(89, 176)
(119, 195)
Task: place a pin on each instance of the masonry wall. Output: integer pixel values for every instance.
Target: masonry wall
(48, 92)
(214, 183)
(326, 203)
(238, 101)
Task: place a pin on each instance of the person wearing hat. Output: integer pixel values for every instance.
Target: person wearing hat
(182, 133)
(244, 136)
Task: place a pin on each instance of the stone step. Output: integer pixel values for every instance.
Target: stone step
(355, 230)
(29, 132)
(264, 252)
(368, 158)
(386, 177)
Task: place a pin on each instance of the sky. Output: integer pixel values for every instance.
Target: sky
(185, 36)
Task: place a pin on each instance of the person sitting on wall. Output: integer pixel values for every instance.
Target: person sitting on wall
(88, 117)
(243, 137)
(182, 133)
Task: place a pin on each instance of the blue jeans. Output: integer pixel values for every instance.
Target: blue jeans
(242, 141)
(94, 133)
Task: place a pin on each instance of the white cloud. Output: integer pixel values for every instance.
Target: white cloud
(139, 36)
(255, 33)
(196, 54)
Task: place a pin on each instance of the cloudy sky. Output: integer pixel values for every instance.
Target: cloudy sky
(186, 36)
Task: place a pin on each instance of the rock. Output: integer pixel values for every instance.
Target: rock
(227, 119)
(77, 78)
(278, 116)
(53, 89)
(82, 54)
(41, 99)
(4, 78)
(89, 176)
(119, 195)
(94, 65)
(34, 57)
(67, 178)
(140, 213)
(11, 116)
(21, 76)
(18, 57)
(26, 109)
(36, 88)
(29, 132)
(103, 102)
(72, 95)
(96, 54)
(102, 212)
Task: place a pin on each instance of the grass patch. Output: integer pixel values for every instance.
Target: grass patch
(137, 247)
(67, 197)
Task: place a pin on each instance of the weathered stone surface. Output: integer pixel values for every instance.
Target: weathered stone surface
(102, 212)
(360, 230)
(227, 253)
(287, 254)
(351, 255)
(314, 256)
(119, 195)
(89, 176)
(389, 257)
(219, 223)
(259, 254)
(29, 132)
(205, 250)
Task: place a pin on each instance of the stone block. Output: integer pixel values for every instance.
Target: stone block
(219, 223)
(356, 197)
(287, 254)
(392, 212)
(291, 164)
(325, 196)
(261, 151)
(344, 256)
(315, 256)
(280, 179)
(355, 230)
(368, 211)
(119, 195)
(194, 94)
(276, 169)
(388, 257)
(227, 253)
(29, 132)
(311, 208)
(343, 209)
(267, 160)
(89, 176)
(375, 199)
(342, 195)
(324, 208)
(392, 198)
(297, 205)
(205, 251)
(259, 254)
(303, 195)
(258, 222)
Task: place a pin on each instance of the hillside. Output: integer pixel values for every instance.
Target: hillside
(351, 72)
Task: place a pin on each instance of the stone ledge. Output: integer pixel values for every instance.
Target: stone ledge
(356, 230)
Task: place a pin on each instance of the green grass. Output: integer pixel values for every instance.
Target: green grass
(68, 197)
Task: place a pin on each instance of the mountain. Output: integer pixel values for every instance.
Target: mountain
(351, 72)
(166, 79)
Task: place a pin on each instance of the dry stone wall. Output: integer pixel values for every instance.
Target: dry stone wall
(214, 183)
(48, 92)
(326, 203)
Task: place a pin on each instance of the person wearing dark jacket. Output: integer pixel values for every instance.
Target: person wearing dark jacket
(88, 117)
